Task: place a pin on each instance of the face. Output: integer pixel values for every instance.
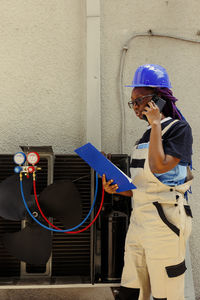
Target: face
(140, 104)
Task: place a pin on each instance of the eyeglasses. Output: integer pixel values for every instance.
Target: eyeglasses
(138, 101)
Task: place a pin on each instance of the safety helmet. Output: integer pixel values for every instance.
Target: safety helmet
(150, 75)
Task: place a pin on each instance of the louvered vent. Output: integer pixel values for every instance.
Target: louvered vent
(71, 253)
(9, 265)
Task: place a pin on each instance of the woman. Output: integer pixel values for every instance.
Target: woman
(160, 224)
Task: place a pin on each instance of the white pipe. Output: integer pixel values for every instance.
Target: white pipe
(93, 130)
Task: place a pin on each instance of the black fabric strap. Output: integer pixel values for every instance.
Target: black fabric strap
(164, 219)
(159, 298)
(176, 270)
(137, 163)
(188, 211)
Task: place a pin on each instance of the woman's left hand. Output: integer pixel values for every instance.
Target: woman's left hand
(152, 112)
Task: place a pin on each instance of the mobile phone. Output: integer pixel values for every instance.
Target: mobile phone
(159, 102)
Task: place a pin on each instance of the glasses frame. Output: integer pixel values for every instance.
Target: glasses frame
(138, 101)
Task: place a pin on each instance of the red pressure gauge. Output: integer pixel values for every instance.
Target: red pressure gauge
(33, 158)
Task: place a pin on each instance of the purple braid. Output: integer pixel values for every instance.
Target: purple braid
(168, 95)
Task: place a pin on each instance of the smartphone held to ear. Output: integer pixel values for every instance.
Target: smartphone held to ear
(159, 102)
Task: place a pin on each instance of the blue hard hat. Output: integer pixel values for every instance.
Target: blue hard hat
(150, 75)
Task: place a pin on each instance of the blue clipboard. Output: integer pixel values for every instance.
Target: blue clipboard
(96, 160)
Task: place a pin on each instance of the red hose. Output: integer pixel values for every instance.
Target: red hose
(69, 232)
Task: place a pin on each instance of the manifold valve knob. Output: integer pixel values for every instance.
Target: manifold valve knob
(31, 169)
(17, 169)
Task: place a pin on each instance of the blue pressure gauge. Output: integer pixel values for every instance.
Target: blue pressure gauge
(19, 158)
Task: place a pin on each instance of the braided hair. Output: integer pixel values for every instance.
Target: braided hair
(170, 109)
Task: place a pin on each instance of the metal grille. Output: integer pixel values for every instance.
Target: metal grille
(71, 253)
(9, 265)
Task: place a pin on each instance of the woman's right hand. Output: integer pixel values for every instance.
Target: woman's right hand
(110, 189)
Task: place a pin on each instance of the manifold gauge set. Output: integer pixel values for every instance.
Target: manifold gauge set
(31, 159)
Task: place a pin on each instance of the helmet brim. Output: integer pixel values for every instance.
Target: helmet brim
(153, 86)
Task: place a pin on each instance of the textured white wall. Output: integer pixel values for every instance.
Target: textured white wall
(122, 19)
(42, 74)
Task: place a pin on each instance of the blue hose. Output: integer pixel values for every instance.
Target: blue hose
(51, 229)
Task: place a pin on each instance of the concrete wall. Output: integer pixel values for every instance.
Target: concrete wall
(42, 74)
(43, 67)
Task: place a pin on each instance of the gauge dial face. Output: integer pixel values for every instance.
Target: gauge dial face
(19, 158)
(33, 158)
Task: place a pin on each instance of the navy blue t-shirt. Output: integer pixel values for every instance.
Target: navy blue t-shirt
(177, 141)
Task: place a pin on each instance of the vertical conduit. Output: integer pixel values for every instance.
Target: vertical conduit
(93, 129)
(93, 73)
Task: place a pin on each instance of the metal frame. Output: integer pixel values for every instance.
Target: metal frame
(47, 153)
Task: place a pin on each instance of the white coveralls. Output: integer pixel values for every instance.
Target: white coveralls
(160, 225)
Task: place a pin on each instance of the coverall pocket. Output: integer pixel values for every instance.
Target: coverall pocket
(164, 218)
(176, 270)
(164, 239)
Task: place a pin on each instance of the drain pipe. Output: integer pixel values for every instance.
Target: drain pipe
(93, 130)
